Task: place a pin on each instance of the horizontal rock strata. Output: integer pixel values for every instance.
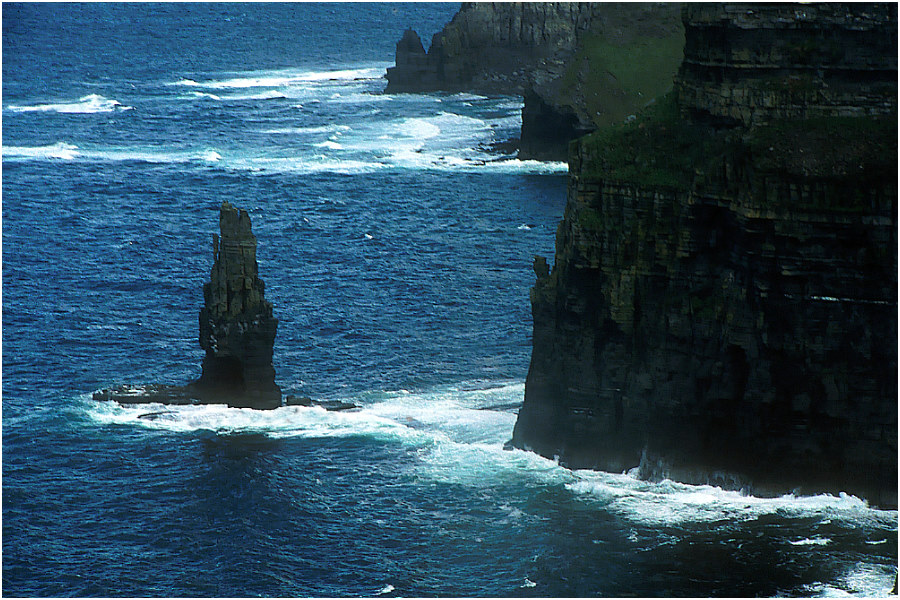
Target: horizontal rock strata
(237, 329)
(722, 306)
(754, 64)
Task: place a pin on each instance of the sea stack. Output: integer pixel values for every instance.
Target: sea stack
(237, 328)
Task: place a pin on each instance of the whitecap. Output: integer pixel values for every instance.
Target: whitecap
(515, 165)
(287, 421)
(465, 96)
(814, 541)
(59, 150)
(669, 503)
(417, 128)
(66, 151)
(92, 103)
(385, 590)
(331, 145)
(210, 156)
(867, 580)
(309, 130)
(286, 77)
(205, 95)
(459, 432)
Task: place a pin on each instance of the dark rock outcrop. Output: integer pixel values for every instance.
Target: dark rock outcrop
(413, 72)
(578, 64)
(723, 303)
(491, 47)
(547, 129)
(237, 329)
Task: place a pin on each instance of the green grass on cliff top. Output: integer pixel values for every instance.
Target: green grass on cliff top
(658, 148)
(616, 80)
(662, 148)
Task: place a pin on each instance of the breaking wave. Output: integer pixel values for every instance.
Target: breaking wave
(57, 151)
(287, 77)
(344, 158)
(460, 434)
(70, 152)
(89, 104)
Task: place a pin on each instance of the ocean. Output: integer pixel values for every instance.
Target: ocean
(396, 245)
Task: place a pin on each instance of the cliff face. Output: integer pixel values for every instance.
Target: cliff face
(756, 64)
(237, 329)
(723, 304)
(491, 47)
(578, 64)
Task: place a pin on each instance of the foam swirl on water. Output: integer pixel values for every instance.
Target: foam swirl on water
(460, 433)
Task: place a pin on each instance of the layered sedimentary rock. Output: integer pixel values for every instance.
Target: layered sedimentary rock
(491, 47)
(237, 331)
(237, 328)
(542, 50)
(723, 303)
(754, 64)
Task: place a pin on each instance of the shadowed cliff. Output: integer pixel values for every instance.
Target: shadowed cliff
(723, 302)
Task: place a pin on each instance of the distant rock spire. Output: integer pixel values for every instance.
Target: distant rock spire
(237, 328)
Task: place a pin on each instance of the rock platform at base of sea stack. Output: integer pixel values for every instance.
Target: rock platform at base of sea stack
(237, 331)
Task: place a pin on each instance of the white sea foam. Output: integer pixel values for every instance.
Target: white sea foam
(866, 580)
(670, 503)
(464, 96)
(515, 165)
(69, 152)
(813, 541)
(331, 145)
(205, 95)
(92, 103)
(288, 77)
(459, 432)
(58, 151)
(334, 129)
(287, 421)
(418, 129)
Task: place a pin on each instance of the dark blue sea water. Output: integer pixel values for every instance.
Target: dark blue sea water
(397, 250)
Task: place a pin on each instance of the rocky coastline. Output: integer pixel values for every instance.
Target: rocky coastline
(722, 306)
(577, 65)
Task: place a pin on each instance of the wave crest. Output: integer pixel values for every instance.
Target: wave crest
(92, 103)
